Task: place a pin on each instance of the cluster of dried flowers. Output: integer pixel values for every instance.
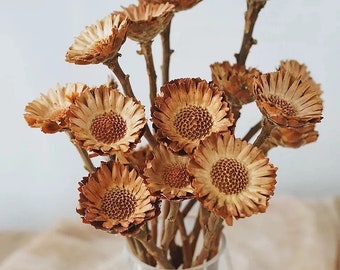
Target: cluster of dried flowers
(192, 153)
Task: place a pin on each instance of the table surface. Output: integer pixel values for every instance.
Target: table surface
(293, 234)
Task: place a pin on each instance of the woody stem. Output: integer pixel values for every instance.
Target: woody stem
(167, 51)
(114, 66)
(253, 9)
(88, 165)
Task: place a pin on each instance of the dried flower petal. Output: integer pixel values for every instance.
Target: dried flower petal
(99, 42)
(189, 110)
(147, 20)
(166, 174)
(50, 112)
(232, 178)
(105, 121)
(179, 4)
(114, 198)
(235, 80)
(286, 101)
(135, 158)
(290, 137)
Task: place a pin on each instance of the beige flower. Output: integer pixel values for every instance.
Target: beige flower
(50, 112)
(187, 111)
(99, 42)
(295, 69)
(179, 4)
(166, 174)
(290, 137)
(232, 178)
(105, 121)
(136, 157)
(114, 198)
(298, 71)
(235, 80)
(147, 20)
(286, 101)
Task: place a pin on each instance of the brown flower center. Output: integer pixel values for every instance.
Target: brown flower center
(118, 203)
(229, 176)
(285, 107)
(193, 122)
(176, 176)
(108, 128)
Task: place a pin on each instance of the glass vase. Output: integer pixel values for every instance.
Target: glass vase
(221, 261)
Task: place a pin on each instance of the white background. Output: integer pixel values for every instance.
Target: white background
(39, 173)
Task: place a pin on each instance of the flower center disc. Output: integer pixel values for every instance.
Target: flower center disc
(118, 203)
(108, 128)
(229, 176)
(285, 107)
(193, 122)
(176, 176)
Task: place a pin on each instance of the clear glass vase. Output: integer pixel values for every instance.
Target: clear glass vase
(221, 261)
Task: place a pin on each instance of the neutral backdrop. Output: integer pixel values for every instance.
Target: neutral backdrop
(39, 173)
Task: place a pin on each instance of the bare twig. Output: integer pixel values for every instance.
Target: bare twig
(188, 207)
(213, 228)
(153, 250)
(146, 50)
(88, 165)
(167, 51)
(114, 66)
(170, 225)
(253, 9)
(264, 134)
(186, 249)
(252, 131)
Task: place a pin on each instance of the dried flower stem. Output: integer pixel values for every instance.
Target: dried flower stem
(188, 207)
(211, 231)
(146, 50)
(186, 249)
(154, 229)
(264, 134)
(253, 9)
(252, 131)
(88, 165)
(236, 110)
(167, 51)
(215, 243)
(114, 66)
(194, 234)
(137, 249)
(169, 226)
(153, 250)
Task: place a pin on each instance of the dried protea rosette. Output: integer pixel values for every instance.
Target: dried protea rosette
(147, 20)
(296, 69)
(235, 80)
(100, 41)
(187, 111)
(286, 101)
(290, 137)
(50, 111)
(105, 121)
(166, 174)
(232, 178)
(179, 4)
(136, 157)
(115, 199)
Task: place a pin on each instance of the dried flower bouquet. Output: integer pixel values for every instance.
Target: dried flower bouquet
(191, 153)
